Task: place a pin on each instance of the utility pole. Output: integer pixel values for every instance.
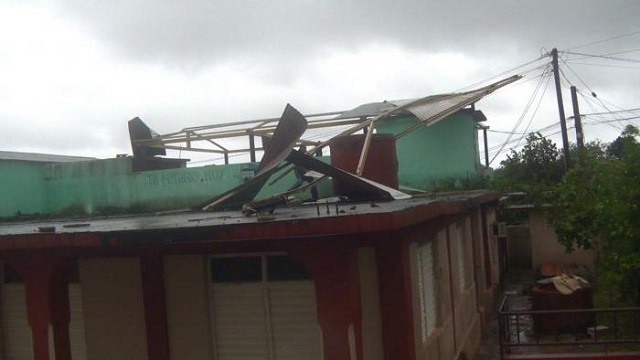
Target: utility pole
(563, 124)
(576, 118)
(578, 123)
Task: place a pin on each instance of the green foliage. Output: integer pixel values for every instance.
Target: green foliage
(626, 139)
(595, 206)
(533, 169)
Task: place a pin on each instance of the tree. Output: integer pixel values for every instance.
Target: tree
(628, 136)
(595, 207)
(534, 168)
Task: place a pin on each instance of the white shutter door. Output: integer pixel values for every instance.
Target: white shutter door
(15, 326)
(463, 267)
(294, 320)
(239, 321)
(76, 324)
(426, 284)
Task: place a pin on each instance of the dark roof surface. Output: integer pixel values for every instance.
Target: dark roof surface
(362, 217)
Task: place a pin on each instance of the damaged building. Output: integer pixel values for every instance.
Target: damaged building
(343, 248)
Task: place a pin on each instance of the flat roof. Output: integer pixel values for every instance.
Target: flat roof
(38, 157)
(316, 219)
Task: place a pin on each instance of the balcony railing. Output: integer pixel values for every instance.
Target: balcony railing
(579, 331)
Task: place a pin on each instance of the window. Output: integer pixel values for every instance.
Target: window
(236, 269)
(285, 268)
(427, 293)
(264, 307)
(246, 269)
(461, 247)
(10, 276)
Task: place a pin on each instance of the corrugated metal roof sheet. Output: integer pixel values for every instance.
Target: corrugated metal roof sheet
(367, 110)
(427, 108)
(37, 157)
(291, 126)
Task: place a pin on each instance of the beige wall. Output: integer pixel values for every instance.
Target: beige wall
(546, 247)
(459, 327)
(465, 305)
(430, 349)
(493, 247)
(446, 342)
(113, 308)
(484, 262)
(370, 300)
(520, 247)
(188, 317)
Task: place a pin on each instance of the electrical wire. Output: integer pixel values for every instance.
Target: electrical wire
(574, 74)
(588, 101)
(509, 71)
(535, 111)
(525, 111)
(613, 112)
(601, 101)
(544, 131)
(578, 57)
(608, 66)
(635, 61)
(604, 40)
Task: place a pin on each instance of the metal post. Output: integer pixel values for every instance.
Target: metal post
(563, 124)
(252, 147)
(576, 118)
(578, 123)
(486, 146)
(365, 150)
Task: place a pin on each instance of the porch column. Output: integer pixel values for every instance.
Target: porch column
(155, 307)
(337, 297)
(47, 298)
(396, 305)
(60, 312)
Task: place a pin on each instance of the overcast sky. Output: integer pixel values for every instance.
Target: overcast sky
(72, 72)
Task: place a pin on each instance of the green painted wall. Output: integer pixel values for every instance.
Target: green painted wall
(110, 187)
(428, 158)
(21, 188)
(436, 156)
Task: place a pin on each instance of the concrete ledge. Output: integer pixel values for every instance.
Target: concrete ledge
(575, 356)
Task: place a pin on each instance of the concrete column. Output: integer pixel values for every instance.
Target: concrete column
(60, 312)
(335, 275)
(155, 307)
(47, 298)
(396, 304)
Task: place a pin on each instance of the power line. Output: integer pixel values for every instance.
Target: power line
(588, 102)
(609, 66)
(535, 111)
(622, 52)
(576, 75)
(601, 101)
(503, 73)
(605, 40)
(605, 54)
(611, 112)
(544, 130)
(615, 120)
(527, 107)
(636, 61)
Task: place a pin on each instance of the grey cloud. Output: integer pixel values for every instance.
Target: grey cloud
(203, 31)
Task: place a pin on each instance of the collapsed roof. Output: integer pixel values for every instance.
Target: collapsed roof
(429, 110)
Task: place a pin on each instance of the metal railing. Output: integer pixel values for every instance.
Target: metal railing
(601, 330)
